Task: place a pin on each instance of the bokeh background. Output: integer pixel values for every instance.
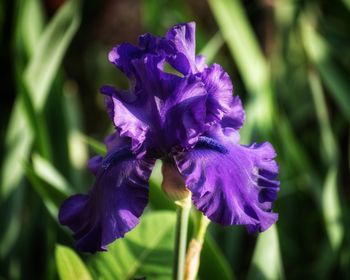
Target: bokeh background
(289, 62)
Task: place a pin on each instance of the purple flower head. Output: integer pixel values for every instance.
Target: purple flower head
(189, 118)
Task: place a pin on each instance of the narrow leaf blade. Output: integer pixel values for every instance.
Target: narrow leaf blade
(69, 265)
(266, 263)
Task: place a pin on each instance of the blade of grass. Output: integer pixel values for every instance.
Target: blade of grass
(77, 147)
(10, 221)
(18, 135)
(267, 262)
(332, 211)
(30, 24)
(212, 47)
(44, 170)
(329, 145)
(17, 145)
(69, 264)
(347, 3)
(37, 125)
(213, 264)
(331, 205)
(49, 52)
(41, 190)
(320, 55)
(94, 144)
(51, 196)
(44, 64)
(242, 42)
(252, 65)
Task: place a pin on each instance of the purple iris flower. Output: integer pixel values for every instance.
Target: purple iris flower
(189, 119)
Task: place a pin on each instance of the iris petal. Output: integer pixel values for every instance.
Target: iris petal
(232, 184)
(94, 164)
(114, 204)
(219, 87)
(122, 54)
(183, 36)
(184, 112)
(163, 110)
(167, 110)
(234, 118)
(128, 115)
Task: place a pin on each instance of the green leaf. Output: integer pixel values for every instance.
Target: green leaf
(212, 47)
(332, 211)
(347, 3)
(30, 24)
(267, 263)
(213, 264)
(49, 52)
(95, 145)
(146, 251)
(320, 54)
(241, 41)
(44, 64)
(69, 265)
(10, 220)
(51, 196)
(17, 144)
(329, 146)
(246, 52)
(77, 152)
(50, 175)
(27, 27)
(48, 183)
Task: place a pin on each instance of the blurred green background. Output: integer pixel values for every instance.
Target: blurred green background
(289, 62)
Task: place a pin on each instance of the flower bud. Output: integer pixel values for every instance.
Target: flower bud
(174, 185)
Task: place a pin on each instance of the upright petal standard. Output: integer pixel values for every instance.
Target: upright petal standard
(187, 117)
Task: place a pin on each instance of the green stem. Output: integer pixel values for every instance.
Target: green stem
(201, 228)
(182, 216)
(195, 247)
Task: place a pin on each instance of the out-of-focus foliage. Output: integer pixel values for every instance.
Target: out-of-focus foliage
(290, 64)
(69, 265)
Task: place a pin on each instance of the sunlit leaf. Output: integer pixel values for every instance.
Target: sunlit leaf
(328, 141)
(320, 54)
(50, 196)
(94, 144)
(213, 263)
(147, 251)
(332, 210)
(267, 262)
(212, 47)
(77, 148)
(49, 52)
(69, 265)
(50, 175)
(242, 42)
(10, 220)
(30, 24)
(44, 64)
(17, 144)
(247, 54)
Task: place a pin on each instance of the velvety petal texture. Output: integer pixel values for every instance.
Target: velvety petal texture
(232, 184)
(114, 204)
